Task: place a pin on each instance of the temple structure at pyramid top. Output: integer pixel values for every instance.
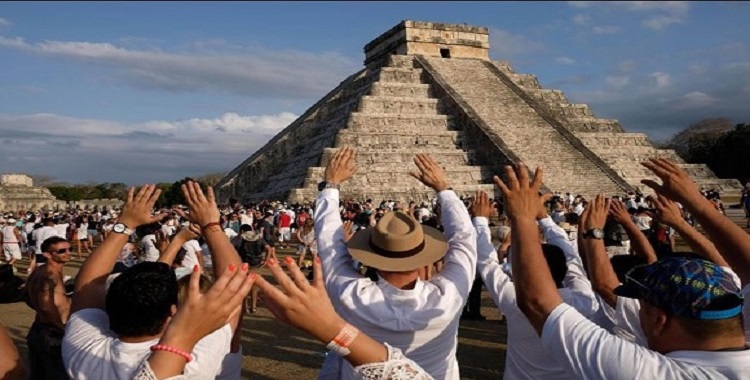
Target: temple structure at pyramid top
(431, 88)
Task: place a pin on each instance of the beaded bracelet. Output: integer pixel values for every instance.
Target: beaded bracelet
(163, 347)
(209, 225)
(342, 340)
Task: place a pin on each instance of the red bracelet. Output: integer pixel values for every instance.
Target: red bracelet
(163, 347)
(209, 225)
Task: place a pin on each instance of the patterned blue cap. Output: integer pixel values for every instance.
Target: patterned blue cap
(688, 287)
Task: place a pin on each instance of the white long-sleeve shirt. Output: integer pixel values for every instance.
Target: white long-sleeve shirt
(422, 322)
(526, 357)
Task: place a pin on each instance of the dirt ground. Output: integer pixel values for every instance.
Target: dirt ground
(273, 350)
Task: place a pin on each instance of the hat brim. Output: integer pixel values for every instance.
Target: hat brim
(435, 248)
(628, 291)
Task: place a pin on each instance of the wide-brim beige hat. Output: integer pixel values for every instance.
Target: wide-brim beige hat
(398, 243)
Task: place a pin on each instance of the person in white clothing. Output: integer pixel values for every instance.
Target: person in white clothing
(40, 235)
(691, 310)
(419, 317)
(193, 254)
(526, 358)
(11, 241)
(111, 332)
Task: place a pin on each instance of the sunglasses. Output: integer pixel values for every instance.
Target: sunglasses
(64, 250)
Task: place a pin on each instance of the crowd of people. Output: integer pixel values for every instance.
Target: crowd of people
(589, 288)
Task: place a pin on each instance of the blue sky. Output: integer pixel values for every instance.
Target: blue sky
(152, 92)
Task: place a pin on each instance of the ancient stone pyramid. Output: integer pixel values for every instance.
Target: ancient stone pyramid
(429, 87)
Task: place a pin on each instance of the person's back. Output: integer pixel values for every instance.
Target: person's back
(111, 344)
(526, 357)
(419, 317)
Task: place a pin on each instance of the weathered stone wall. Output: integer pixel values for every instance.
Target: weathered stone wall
(16, 180)
(427, 38)
(522, 129)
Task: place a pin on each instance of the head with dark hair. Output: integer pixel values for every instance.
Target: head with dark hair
(572, 218)
(245, 228)
(141, 299)
(556, 262)
(622, 264)
(51, 241)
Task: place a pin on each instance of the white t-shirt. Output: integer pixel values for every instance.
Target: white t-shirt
(192, 250)
(590, 352)
(90, 350)
(150, 252)
(42, 234)
(230, 233)
(62, 229)
(83, 231)
(168, 230)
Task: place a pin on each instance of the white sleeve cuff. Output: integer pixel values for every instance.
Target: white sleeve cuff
(481, 221)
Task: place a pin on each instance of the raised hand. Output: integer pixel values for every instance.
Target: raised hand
(301, 304)
(676, 183)
(138, 206)
(542, 210)
(619, 213)
(521, 195)
(595, 215)
(667, 211)
(203, 209)
(341, 166)
(430, 173)
(348, 230)
(481, 205)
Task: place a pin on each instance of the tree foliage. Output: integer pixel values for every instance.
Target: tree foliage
(714, 142)
(694, 143)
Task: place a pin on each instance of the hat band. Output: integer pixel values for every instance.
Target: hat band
(720, 314)
(396, 254)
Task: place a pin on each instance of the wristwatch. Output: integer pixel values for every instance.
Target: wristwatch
(122, 229)
(327, 185)
(594, 233)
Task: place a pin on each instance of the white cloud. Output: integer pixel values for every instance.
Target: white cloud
(661, 14)
(152, 151)
(616, 81)
(606, 29)
(695, 99)
(5, 23)
(660, 80)
(582, 19)
(250, 71)
(565, 60)
(508, 45)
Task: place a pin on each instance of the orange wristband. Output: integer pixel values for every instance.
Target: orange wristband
(163, 347)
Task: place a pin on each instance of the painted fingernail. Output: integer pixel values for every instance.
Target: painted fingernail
(231, 267)
(317, 259)
(253, 276)
(288, 260)
(196, 268)
(244, 267)
(271, 261)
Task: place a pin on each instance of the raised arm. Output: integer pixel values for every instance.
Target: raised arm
(90, 283)
(307, 307)
(329, 231)
(168, 254)
(732, 242)
(638, 240)
(205, 213)
(669, 213)
(200, 315)
(536, 293)
(461, 258)
(497, 282)
(602, 275)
